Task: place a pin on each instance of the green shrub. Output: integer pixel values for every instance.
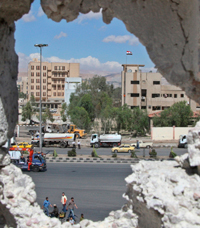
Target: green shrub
(172, 154)
(114, 155)
(72, 153)
(133, 155)
(55, 153)
(94, 153)
(153, 153)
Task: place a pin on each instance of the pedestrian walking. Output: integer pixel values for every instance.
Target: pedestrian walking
(79, 144)
(46, 205)
(71, 206)
(64, 201)
(73, 144)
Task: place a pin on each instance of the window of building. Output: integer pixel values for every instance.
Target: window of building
(44, 74)
(60, 67)
(55, 74)
(32, 87)
(182, 95)
(54, 87)
(37, 94)
(44, 94)
(175, 95)
(154, 108)
(37, 80)
(135, 94)
(44, 87)
(63, 67)
(154, 95)
(132, 107)
(143, 107)
(44, 80)
(169, 95)
(32, 93)
(165, 107)
(54, 94)
(37, 87)
(156, 82)
(38, 74)
(59, 94)
(62, 94)
(44, 67)
(63, 74)
(56, 106)
(55, 67)
(32, 73)
(135, 82)
(32, 80)
(37, 67)
(32, 67)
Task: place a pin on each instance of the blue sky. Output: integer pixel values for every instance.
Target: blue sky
(99, 48)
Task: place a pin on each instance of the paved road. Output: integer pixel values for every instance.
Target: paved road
(107, 151)
(97, 188)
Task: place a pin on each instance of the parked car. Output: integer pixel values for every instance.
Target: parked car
(123, 148)
(23, 145)
(143, 144)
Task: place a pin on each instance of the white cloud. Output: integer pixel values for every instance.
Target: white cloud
(62, 34)
(40, 12)
(90, 64)
(29, 17)
(132, 40)
(89, 16)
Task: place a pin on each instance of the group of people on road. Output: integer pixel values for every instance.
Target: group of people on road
(65, 207)
(78, 144)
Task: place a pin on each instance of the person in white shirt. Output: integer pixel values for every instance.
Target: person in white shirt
(64, 201)
(79, 144)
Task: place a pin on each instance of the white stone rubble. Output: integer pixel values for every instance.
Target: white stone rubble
(167, 189)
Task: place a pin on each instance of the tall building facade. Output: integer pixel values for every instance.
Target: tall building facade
(150, 91)
(52, 79)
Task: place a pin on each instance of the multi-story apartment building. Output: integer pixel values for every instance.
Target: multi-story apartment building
(150, 91)
(22, 85)
(52, 79)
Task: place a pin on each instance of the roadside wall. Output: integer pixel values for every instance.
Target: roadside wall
(168, 133)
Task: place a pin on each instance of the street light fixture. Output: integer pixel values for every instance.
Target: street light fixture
(41, 46)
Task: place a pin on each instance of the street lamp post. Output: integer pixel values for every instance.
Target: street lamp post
(40, 46)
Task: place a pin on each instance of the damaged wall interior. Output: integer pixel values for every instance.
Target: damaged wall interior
(169, 29)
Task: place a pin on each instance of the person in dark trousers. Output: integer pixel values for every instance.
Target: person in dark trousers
(22, 159)
(54, 213)
(79, 144)
(46, 205)
(64, 201)
(71, 206)
(138, 145)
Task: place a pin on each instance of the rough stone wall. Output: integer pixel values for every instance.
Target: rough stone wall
(165, 189)
(169, 29)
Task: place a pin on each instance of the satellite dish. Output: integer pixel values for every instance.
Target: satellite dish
(129, 71)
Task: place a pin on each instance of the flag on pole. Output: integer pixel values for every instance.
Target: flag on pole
(128, 52)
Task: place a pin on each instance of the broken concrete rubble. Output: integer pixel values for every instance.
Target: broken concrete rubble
(170, 32)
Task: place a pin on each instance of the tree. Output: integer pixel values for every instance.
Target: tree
(80, 118)
(179, 115)
(107, 116)
(46, 115)
(21, 95)
(140, 122)
(86, 103)
(27, 111)
(63, 112)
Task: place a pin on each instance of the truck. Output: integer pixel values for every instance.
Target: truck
(143, 144)
(80, 133)
(34, 162)
(182, 142)
(61, 139)
(105, 140)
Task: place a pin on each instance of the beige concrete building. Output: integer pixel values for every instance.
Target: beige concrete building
(53, 81)
(150, 91)
(22, 85)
